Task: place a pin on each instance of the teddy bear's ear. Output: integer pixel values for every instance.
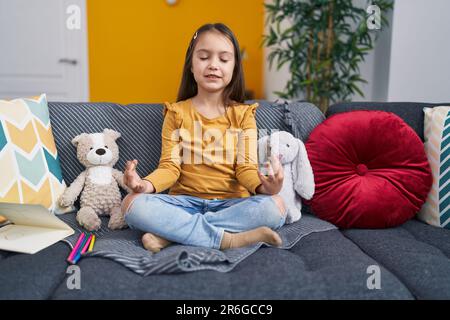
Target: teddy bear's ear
(78, 138)
(111, 133)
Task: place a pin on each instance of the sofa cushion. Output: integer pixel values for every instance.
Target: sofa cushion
(29, 160)
(370, 170)
(140, 126)
(297, 117)
(410, 112)
(416, 253)
(414, 261)
(325, 265)
(436, 210)
(33, 276)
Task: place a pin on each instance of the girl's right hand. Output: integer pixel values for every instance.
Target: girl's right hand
(273, 183)
(132, 180)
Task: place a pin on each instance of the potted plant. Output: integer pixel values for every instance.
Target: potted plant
(324, 43)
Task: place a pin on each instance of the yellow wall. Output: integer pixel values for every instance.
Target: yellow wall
(137, 47)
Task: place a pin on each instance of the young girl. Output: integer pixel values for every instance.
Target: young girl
(212, 202)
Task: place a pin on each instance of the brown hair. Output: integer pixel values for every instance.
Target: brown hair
(235, 90)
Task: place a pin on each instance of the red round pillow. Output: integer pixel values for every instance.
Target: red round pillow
(370, 170)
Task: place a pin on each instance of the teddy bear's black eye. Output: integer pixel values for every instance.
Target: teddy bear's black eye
(91, 148)
(106, 147)
(287, 145)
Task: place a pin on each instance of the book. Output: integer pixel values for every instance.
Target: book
(30, 228)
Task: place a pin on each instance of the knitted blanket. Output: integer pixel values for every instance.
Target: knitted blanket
(125, 247)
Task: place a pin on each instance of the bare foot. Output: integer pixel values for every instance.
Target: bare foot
(246, 238)
(154, 243)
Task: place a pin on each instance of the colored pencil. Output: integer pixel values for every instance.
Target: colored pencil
(78, 254)
(76, 247)
(91, 246)
(87, 244)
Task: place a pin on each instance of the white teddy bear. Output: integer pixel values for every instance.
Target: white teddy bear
(99, 183)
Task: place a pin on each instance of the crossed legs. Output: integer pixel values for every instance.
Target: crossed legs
(155, 243)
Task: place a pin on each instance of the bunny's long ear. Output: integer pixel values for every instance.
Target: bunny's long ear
(302, 173)
(262, 147)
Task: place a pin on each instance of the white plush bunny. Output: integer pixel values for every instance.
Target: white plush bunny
(298, 174)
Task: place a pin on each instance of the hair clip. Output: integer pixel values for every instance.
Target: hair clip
(195, 35)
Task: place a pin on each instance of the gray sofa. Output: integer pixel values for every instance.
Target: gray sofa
(413, 259)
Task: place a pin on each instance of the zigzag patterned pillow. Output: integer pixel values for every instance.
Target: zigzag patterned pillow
(29, 162)
(436, 210)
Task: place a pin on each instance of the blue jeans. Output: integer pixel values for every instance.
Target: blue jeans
(201, 222)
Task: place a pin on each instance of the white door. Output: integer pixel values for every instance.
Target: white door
(43, 49)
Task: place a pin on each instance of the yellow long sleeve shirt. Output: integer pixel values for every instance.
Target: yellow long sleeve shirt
(208, 158)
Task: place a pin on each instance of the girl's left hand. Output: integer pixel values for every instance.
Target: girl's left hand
(273, 183)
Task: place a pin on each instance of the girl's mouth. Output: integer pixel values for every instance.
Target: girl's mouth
(212, 76)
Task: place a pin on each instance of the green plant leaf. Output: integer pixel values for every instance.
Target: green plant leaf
(329, 79)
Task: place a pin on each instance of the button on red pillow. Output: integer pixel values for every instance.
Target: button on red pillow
(370, 170)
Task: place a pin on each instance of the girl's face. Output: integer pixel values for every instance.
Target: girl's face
(213, 61)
